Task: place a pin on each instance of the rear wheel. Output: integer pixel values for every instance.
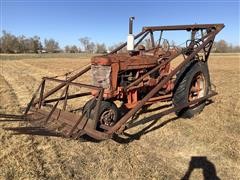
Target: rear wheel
(108, 113)
(191, 84)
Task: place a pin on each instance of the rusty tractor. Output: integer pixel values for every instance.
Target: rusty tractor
(136, 74)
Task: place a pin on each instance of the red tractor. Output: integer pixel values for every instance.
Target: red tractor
(136, 74)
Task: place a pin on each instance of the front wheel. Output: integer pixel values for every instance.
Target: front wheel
(191, 84)
(108, 113)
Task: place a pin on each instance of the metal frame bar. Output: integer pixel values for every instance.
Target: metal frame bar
(141, 39)
(65, 98)
(193, 27)
(41, 94)
(162, 64)
(63, 83)
(68, 97)
(33, 98)
(183, 27)
(124, 44)
(72, 83)
(55, 106)
(152, 39)
(99, 101)
(173, 109)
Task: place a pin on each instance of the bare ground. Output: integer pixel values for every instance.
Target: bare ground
(159, 150)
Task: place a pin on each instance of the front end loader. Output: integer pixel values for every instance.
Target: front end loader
(136, 74)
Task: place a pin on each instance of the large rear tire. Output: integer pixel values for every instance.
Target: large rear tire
(192, 82)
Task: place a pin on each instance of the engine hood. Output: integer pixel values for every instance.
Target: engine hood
(125, 61)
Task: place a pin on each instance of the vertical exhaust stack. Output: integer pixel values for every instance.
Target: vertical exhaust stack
(130, 38)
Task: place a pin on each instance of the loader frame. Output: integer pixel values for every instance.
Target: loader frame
(80, 125)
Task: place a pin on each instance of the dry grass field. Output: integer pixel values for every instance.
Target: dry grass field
(171, 148)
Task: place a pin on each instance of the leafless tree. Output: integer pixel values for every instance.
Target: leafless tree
(51, 45)
(12, 44)
(9, 43)
(147, 43)
(85, 41)
(67, 49)
(88, 45)
(123, 50)
(221, 46)
(73, 49)
(101, 48)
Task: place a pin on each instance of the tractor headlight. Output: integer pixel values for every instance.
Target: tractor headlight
(101, 76)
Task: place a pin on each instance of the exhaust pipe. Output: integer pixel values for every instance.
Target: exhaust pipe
(130, 38)
(131, 24)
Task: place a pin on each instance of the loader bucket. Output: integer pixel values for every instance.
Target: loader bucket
(49, 111)
(65, 123)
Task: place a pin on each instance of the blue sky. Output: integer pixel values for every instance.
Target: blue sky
(107, 21)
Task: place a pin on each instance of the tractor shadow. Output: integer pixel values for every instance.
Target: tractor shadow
(24, 129)
(149, 128)
(154, 119)
(39, 131)
(201, 162)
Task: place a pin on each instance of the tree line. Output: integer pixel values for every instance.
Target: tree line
(10, 43)
(222, 46)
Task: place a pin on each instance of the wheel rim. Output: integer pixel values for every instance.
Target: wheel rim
(197, 88)
(108, 117)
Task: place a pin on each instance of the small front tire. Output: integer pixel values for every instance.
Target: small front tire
(108, 112)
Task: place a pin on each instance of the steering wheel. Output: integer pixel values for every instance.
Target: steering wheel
(193, 43)
(165, 45)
